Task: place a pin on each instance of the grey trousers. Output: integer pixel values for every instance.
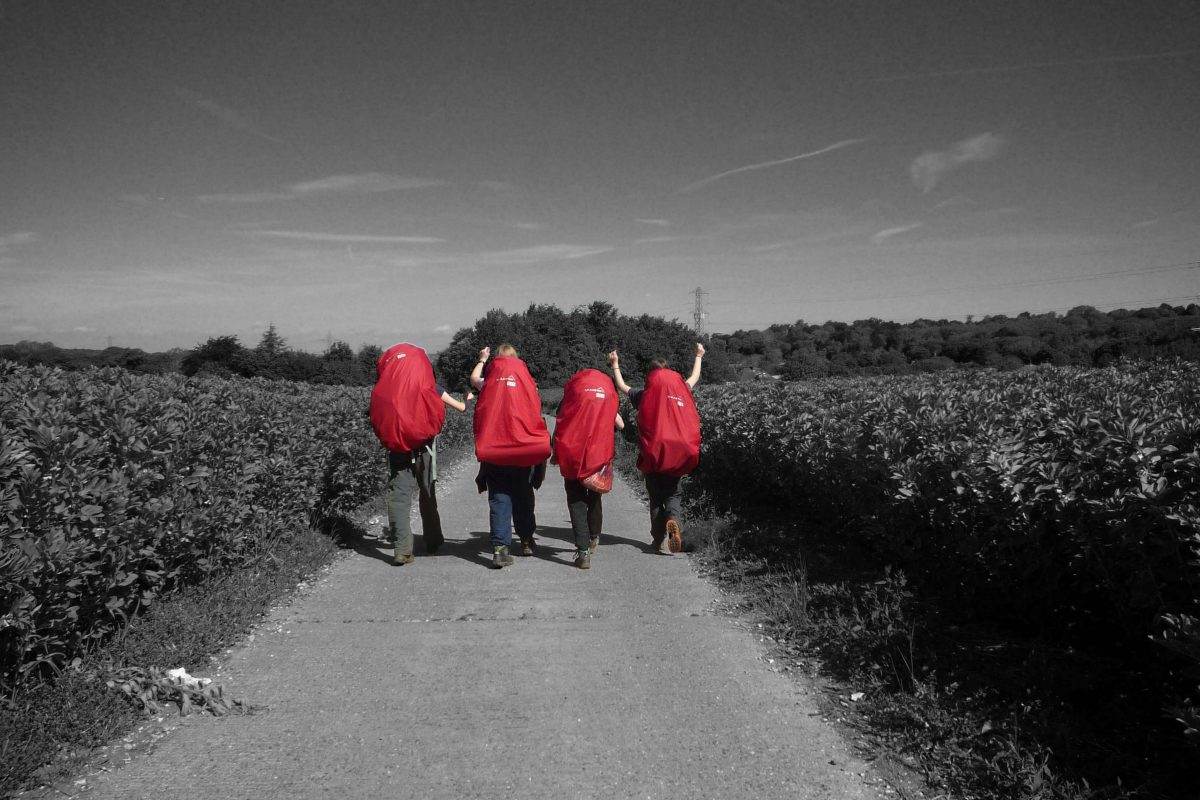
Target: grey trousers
(412, 474)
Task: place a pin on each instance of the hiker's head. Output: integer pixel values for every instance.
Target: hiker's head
(506, 349)
(658, 362)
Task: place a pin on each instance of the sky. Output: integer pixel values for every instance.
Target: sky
(374, 172)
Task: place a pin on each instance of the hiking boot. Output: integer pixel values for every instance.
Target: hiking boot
(528, 546)
(400, 559)
(656, 544)
(500, 557)
(674, 540)
(594, 543)
(583, 559)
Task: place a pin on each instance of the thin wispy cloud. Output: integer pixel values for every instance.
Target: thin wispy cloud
(1065, 62)
(767, 248)
(226, 115)
(346, 238)
(953, 202)
(1177, 215)
(498, 186)
(662, 223)
(691, 187)
(928, 169)
(547, 252)
(17, 239)
(334, 185)
(888, 233)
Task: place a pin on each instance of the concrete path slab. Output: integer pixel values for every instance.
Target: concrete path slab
(448, 679)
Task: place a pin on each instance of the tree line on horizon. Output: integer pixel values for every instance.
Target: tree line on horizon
(1084, 336)
(557, 343)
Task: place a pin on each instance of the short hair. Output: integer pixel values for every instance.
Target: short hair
(658, 362)
(506, 349)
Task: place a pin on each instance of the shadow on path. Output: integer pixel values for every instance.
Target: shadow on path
(349, 535)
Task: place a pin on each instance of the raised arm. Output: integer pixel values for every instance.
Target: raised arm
(457, 405)
(615, 362)
(694, 378)
(477, 372)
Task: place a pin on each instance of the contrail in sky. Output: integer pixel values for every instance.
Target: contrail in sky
(1034, 65)
(234, 119)
(764, 165)
(890, 232)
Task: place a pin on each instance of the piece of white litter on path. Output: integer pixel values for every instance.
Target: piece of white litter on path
(182, 676)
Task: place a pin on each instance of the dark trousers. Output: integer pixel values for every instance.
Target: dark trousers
(587, 513)
(663, 491)
(510, 502)
(408, 476)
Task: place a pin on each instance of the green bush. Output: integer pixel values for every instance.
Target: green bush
(118, 489)
(1059, 505)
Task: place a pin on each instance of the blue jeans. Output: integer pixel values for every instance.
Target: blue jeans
(510, 502)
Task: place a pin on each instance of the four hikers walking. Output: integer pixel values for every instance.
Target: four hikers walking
(513, 444)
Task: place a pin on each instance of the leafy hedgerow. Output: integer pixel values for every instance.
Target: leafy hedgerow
(116, 489)
(1060, 503)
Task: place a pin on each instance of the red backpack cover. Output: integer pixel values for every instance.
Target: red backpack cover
(509, 429)
(406, 411)
(583, 433)
(668, 425)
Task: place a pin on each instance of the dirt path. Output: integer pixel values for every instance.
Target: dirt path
(447, 679)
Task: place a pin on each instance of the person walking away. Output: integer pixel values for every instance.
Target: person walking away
(583, 447)
(408, 408)
(512, 444)
(668, 441)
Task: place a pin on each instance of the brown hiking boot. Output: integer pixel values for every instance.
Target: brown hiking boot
(583, 559)
(528, 546)
(594, 543)
(674, 540)
(400, 559)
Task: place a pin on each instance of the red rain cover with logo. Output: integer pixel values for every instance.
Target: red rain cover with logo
(509, 429)
(668, 425)
(583, 433)
(406, 411)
